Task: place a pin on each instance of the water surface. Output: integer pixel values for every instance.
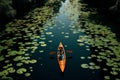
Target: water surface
(62, 29)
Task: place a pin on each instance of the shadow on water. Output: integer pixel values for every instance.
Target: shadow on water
(62, 74)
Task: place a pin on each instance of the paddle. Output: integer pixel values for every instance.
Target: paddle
(67, 51)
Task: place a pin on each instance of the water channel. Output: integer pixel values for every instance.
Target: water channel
(61, 29)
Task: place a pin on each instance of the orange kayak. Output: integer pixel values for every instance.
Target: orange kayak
(61, 57)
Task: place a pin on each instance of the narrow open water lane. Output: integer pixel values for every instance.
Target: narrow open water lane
(61, 28)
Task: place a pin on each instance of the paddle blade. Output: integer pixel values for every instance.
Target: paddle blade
(52, 52)
(69, 51)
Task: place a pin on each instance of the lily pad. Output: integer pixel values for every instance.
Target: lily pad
(21, 70)
(19, 64)
(33, 61)
(84, 65)
(27, 74)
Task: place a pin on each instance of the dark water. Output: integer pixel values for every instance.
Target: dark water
(47, 68)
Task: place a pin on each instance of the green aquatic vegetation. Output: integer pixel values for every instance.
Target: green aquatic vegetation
(21, 70)
(11, 70)
(27, 74)
(22, 31)
(62, 32)
(66, 33)
(117, 78)
(2, 58)
(31, 69)
(1, 48)
(25, 61)
(33, 61)
(8, 65)
(7, 78)
(91, 67)
(4, 73)
(114, 73)
(18, 58)
(81, 44)
(52, 35)
(50, 41)
(41, 51)
(97, 67)
(43, 44)
(99, 60)
(19, 64)
(27, 54)
(43, 38)
(12, 53)
(82, 57)
(66, 45)
(107, 77)
(49, 33)
(91, 63)
(89, 57)
(93, 56)
(66, 36)
(106, 46)
(88, 49)
(84, 65)
(105, 69)
(27, 57)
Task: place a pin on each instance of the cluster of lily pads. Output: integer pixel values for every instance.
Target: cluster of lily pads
(20, 37)
(105, 49)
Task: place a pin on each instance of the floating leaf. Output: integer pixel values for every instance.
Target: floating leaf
(19, 64)
(27, 74)
(21, 70)
(84, 66)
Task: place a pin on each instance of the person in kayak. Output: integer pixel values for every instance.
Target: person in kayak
(61, 53)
